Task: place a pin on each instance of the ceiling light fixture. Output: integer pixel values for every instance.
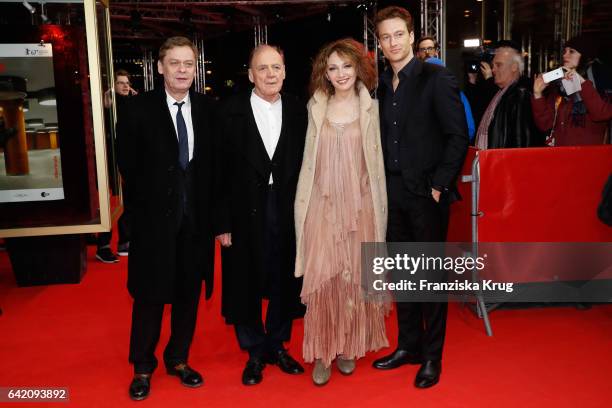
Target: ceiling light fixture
(12, 87)
(34, 122)
(50, 126)
(46, 97)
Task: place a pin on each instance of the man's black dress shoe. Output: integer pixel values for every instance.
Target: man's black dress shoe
(286, 363)
(140, 387)
(253, 372)
(396, 359)
(428, 375)
(189, 377)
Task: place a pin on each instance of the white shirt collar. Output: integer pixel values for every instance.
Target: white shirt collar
(170, 100)
(262, 102)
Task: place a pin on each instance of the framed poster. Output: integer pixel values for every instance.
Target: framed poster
(30, 158)
(53, 172)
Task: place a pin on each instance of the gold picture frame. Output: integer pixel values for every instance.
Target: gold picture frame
(92, 10)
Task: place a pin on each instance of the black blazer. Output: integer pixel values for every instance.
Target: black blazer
(434, 137)
(148, 161)
(240, 192)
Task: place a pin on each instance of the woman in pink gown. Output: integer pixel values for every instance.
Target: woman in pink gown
(340, 202)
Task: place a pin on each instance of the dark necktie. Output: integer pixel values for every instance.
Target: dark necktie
(181, 129)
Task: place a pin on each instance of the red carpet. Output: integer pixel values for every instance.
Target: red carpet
(76, 336)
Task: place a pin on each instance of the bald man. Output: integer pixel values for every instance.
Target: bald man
(261, 145)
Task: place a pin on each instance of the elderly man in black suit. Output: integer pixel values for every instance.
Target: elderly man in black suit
(262, 142)
(424, 136)
(166, 158)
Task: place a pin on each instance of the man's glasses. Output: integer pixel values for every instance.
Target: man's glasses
(428, 49)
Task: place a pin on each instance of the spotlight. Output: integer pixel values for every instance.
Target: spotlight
(471, 42)
(365, 5)
(30, 8)
(43, 14)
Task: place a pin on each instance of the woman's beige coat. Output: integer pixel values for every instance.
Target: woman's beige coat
(370, 132)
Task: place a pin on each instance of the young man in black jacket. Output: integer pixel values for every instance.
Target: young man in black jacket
(424, 140)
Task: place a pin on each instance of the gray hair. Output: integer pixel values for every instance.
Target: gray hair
(515, 56)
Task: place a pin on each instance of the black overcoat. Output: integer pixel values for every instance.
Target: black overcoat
(148, 161)
(241, 201)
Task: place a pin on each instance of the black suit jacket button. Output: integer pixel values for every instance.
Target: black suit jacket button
(254, 211)
(170, 191)
(170, 168)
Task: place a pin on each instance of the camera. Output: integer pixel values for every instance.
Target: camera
(553, 75)
(566, 87)
(484, 54)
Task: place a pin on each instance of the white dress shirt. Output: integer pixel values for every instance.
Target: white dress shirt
(269, 119)
(186, 111)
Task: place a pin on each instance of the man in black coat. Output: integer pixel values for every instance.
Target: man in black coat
(261, 145)
(123, 92)
(165, 146)
(508, 120)
(424, 137)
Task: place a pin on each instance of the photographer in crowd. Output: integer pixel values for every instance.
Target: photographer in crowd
(572, 118)
(480, 88)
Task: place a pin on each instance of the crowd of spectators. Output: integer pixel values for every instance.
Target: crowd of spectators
(509, 109)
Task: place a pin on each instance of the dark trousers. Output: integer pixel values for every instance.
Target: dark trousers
(124, 220)
(422, 326)
(147, 316)
(257, 338)
(104, 238)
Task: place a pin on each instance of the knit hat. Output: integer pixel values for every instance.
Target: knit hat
(587, 46)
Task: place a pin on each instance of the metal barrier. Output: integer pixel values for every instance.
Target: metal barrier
(531, 195)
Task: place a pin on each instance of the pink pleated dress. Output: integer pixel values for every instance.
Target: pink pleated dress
(339, 321)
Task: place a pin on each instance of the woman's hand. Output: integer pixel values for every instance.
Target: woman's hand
(538, 86)
(571, 73)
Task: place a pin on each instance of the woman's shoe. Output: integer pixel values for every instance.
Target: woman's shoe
(347, 366)
(320, 374)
